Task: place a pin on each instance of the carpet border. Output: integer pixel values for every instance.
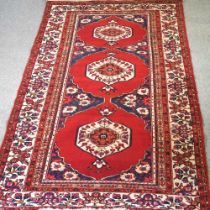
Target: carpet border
(192, 88)
(20, 94)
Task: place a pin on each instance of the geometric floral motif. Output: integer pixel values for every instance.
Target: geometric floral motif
(76, 100)
(140, 49)
(139, 19)
(137, 102)
(87, 19)
(81, 49)
(59, 170)
(141, 172)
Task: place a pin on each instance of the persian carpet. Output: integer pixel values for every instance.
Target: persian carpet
(107, 114)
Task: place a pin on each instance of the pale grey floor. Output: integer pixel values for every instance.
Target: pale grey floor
(19, 21)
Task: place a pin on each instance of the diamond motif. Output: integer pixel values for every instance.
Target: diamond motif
(110, 70)
(103, 138)
(112, 32)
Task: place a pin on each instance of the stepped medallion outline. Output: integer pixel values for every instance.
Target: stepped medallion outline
(103, 138)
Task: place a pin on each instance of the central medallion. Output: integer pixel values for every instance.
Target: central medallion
(110, 70)
(112, 32)
(103, 138)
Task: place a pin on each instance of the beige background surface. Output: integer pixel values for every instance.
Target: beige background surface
(19, 22)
